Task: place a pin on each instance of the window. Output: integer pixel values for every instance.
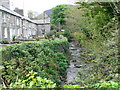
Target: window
(17, 21)
(4, 17)
(5, 33)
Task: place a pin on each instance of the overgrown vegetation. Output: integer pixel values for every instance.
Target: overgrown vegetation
(47, 58)
(95, 27)
(58, 16)
(33, 81)
(4, 42)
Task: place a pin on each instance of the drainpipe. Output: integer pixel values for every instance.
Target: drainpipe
(44, 23)
(59, 26)
(22, 28)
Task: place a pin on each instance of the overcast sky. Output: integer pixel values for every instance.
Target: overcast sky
(38, 5)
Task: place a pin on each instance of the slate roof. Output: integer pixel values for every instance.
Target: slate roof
(48, 12)
(2, 8)
(10, 11)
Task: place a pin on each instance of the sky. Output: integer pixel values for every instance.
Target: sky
(38, 5)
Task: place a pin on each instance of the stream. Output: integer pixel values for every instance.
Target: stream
(77, 66)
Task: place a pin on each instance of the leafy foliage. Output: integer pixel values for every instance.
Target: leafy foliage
(4, 42)
(104, 84)
(37, 38)
(33, 81)
(100, 84)
(47, 58)
(96, 29)
(71, 86)
(58, 15)
(51, 34)
(67, 33)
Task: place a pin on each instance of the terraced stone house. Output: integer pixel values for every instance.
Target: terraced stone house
(13, 24)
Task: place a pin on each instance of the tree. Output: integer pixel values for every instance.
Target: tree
(58, 16)
(73, 19)
(96, 30)
(32, 15)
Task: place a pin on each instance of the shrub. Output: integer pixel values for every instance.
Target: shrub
(67, 34)
(50, 34)
(47, 58)
(32, 81)
(105, 84)
(4, 42)
(71, 86)
(37, 38)
(98, 35)
(14, 38)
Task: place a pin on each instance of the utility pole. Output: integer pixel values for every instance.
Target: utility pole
(59, 26)
(44, 22)
(43, 26)
(44, 17)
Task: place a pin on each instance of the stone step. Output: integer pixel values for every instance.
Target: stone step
(78, 66)
(72, 48)
(75, 54)
(73, 51)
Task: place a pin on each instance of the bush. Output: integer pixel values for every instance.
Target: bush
(67, 34)
(37, 38)
(104, 84)
(4, 42)
(32, 81)
(14, 38)
(101, 53)
(71, 86)
(50, 34)
(47, 58)
(97, 32)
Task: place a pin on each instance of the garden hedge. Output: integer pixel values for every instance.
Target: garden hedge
(47, 58)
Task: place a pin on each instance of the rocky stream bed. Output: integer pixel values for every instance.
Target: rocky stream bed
(77, 66)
